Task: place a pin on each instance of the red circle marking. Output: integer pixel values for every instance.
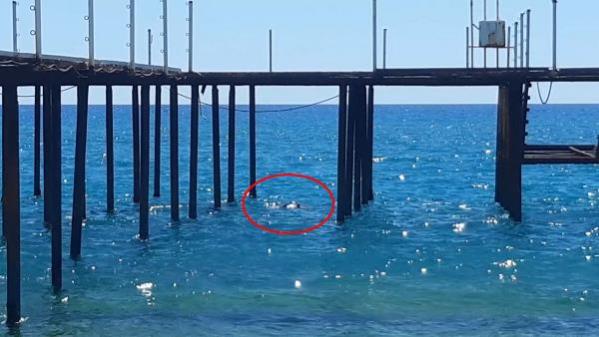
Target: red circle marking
(292, 232)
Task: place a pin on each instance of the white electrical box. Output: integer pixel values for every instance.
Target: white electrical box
(492, 34)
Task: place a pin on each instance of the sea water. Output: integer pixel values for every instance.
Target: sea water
(433, 255)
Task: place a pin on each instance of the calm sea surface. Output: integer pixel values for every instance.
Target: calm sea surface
(433, 255)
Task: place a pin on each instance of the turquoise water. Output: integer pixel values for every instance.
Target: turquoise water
(433, 255)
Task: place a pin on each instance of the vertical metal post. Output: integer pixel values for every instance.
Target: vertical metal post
(11, 203)
(150, 40)
(135, 131)
(385, 48)
(485, 18)
(56, 191)
(528, 38)
(497, 49)
(193, 155)
(554, 35)
(270, 50)
(47, 141)
(516, 44)
(91, 33)
(374, 35)
(370, 144)
(216, 147)
(165, 33)
(252, 132)
(144, 205)
(190, 35)
(509, 44)
(109, 151)
(174, 148)
(522, 49)
(132, 34)
(38, 28)
(231, 156)
(467, 47)
(15, 33)
(472, 33)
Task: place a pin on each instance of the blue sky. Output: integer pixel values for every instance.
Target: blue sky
(232, 35)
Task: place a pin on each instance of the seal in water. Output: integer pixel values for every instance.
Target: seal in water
(292, 205)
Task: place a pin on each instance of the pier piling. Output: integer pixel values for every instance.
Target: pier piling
(341, 154)
(11, 205)
(216, 147)
(37, 191)
(79, 180)
(109, 151)
(350, 153)
(157, 139)
(55, 197)
(144, 188)
(47, 140)
(370, 144)
(193, 156)
(252, 132)
(231, 155)
(135, 128)
(174, 151)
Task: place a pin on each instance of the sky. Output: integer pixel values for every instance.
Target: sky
(314, 35)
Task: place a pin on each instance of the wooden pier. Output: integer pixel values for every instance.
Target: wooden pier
(356, 130)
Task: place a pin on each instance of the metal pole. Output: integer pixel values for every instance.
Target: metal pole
(374, 35)
(165, 33)
(528, 38)
(522, 40)
(509, 44)
(472, 33)
(90, 38)
(485, 18)
(132, 34)
(554, 34)
(190, 36)
(38, 28)
(516, 45)
(385, 48)
(497, 49)
(15, 34)
(150, 38)
(270, 50)
(467, 47)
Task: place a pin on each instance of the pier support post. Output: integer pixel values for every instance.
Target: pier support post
(341, 155)
(144, 188)
(37, 191)
(47, 140)
(11, 202)
(79, 180)
(174, 149)
(216, 147)
(349, 150)
(157, 140)
(135, 128)
(56, 188)
(510, 149)
(193, 156)
(231, 155)
(252, 132)
(109, 151)
(370, 144)
(359, 145)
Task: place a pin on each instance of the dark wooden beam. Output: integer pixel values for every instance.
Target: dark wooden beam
(157, 139)
(252, 132)
(109, 151)
(341, 154)
(174, 151)
(216, 147)
(144, 188)
(231, 155)
(37, 191)
(11, 203)
(79, 180)
(193, 155)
